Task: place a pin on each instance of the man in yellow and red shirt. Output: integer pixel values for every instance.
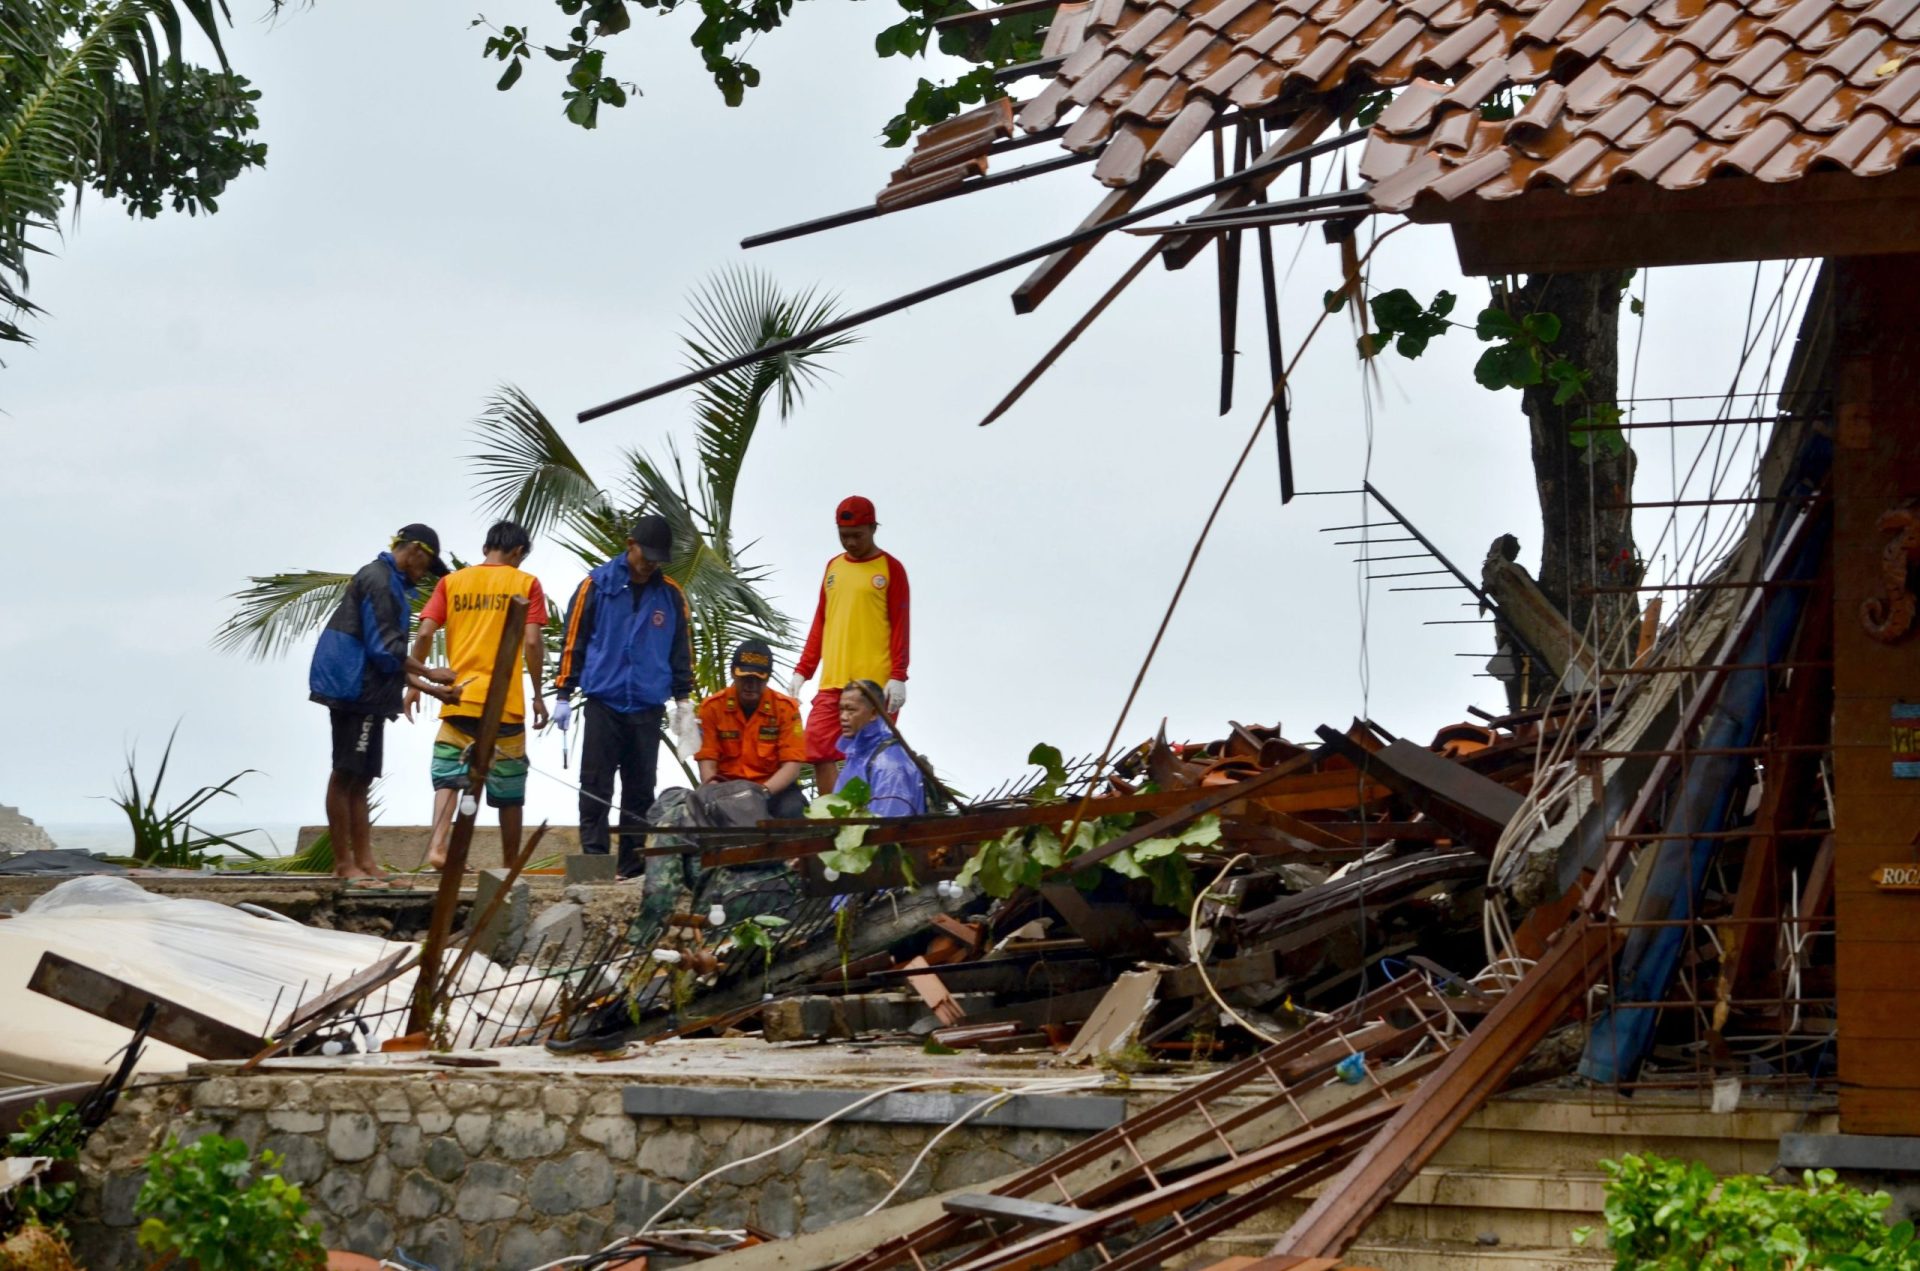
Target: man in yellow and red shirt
(752, 732)
(471, 606)
(859, 633)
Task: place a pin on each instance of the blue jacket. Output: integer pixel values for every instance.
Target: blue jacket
(627, 647)
(360, 663)
(873, 756)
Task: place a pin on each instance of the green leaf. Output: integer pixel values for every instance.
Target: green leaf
(1507, 366)
(1495, 324)
(1395, 310)
(1154, 848)
(1544, 327)
(1335, 300)
(1204, 832)
(1123, 864)
(1442, 305)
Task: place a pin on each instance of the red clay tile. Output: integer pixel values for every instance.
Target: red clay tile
(1616, 120)
(1451, 53)
(1806, 100)
(1889, 14)
(1791, 159)
(1357, 19)
(1762, 57)
(1756, 147)
(1471, 175)
(1671, 92)
(1577, 51)
(1411, 111)
(1635, 48)
(1482, 82)
(1593, 89)
(1895, 147)
(1452, 137)
(1801, 18)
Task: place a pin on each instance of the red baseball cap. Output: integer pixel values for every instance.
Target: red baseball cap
(854, 510)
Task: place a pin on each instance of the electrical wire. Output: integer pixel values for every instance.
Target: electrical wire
(1193, 954)
(581, 1260)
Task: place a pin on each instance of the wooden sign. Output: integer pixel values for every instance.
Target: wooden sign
(1897, 878)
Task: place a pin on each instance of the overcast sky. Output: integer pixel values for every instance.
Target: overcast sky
(281, 385)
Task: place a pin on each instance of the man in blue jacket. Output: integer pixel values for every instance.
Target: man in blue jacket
(629, 651)
(360, 671)
(895, 784)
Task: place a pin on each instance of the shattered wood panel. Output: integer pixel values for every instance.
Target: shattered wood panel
(1877, 811)
(122, 1003)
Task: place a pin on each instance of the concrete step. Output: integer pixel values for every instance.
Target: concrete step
(1450, 1203)
(1525, 1172)
(1403, 1256)
(1420, 1255)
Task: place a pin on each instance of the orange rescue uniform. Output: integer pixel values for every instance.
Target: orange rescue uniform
(751, 747)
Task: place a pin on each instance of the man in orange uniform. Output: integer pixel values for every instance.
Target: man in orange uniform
(471, 604)
(859, 633)
(752, 733)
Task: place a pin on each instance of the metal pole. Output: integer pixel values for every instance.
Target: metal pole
(957, 281)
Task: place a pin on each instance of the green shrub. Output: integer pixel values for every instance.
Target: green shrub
(1666, 1215)
(43, 1131)
(208, 1205)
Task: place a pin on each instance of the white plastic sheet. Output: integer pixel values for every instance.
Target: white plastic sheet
(199, 953)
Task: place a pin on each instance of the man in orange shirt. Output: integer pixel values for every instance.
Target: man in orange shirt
(471, 604)
(752, 733)
(859, 633)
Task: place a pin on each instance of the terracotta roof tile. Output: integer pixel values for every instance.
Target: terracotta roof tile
(1668, 92)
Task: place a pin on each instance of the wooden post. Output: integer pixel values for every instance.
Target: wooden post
(506, 669)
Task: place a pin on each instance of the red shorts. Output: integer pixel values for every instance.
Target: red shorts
(823, 727)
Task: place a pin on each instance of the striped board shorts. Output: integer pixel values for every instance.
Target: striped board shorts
(506, 778)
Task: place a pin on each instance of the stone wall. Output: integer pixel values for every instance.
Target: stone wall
(508, 1171)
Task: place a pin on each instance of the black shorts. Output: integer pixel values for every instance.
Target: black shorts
(357, 749)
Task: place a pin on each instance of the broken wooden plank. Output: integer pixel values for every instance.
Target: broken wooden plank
(1117, 1019)
(1033, 1213)
(1454, 795)
(933, 992)
(1464, 1081)
(119, 1002)
(1111, 928)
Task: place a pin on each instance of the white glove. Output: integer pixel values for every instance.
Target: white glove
(684, 730)
(562, 712)
(795, 684)
(896, 696)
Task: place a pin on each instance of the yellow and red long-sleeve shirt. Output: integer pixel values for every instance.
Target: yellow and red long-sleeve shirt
(860, 623)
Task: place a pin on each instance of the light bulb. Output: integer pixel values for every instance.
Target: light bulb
(717, 915)
(833, 875)
(468, 805)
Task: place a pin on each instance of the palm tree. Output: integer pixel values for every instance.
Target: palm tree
(62, 68)
(527, 471)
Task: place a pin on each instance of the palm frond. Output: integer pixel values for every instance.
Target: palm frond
(279, 611)
(62, 67)
(733, 313)
(526, 470)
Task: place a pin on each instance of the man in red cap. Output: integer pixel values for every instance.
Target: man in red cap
(859, 633)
